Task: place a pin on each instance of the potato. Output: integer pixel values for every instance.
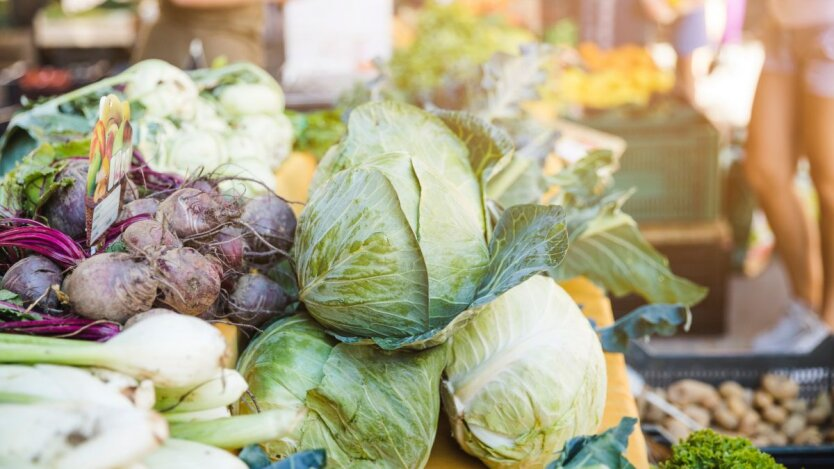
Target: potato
(654, 414)
(749, 423)
(761, 441)
(809, 436)
(821, 411)
(796, 406)
(736, 405)
(764, 428)
(725, 418)
(781, 387)
(677, 430)
(730, 389)
(762, 400)
(778, 439)
(698, 414)
(793, 425)
(775, 414)
(689, 391)
(829, 435)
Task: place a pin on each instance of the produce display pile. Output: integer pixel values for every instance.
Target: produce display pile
(419, 282)
(772, 415)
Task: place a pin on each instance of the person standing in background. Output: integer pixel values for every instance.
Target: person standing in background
(232, 29)
(793, 114)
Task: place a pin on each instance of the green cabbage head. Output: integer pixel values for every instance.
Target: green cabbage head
(397, 242)
(367, 408)
(526, 375)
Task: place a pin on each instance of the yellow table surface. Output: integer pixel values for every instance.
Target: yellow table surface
(292, 181)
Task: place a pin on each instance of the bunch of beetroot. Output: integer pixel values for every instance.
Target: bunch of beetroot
(192, 255)
(190, 249)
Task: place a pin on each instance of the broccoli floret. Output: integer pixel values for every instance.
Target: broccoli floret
(706, 449)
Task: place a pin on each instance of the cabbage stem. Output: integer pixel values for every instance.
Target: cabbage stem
(239, 431)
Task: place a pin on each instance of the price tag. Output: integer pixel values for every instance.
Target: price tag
(111, 151)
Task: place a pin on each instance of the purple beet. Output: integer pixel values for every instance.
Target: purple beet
(111, 286)
(255, 300)
(272, 224)
(32, 279)
(65, 209)
(149, 237)
(191, 212)
(189, 282)
(139, 207)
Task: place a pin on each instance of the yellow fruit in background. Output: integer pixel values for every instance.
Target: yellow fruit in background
(293, 177)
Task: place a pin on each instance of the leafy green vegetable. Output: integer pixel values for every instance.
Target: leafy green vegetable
(706, 449)
(604, 450)
(507, 81)
(317, 131)
(9, 312)
(524, 376)
(34, 179)
(527, 239)
(395, 242)
(363, 406)
(450, 43)
(607, 247)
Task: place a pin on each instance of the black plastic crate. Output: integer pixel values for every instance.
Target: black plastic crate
(813, 371)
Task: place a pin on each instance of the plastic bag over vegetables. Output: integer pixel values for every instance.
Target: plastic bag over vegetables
(363, 406)
(396, 241)
(525, 376)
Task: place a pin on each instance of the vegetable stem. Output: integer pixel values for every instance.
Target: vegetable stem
(239, 431)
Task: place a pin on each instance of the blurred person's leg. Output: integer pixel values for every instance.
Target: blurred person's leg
(818, 82)
(770, 166)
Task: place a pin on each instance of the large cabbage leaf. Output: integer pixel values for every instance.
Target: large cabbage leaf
(525, 375)
(365, 407)
(359, 265)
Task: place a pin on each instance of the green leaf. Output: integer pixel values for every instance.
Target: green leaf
(521, 182)
(529, 239)
(490, 148)
(598, 451)
(357, 253)
(317, 131)
(607, 247)
(10, 313)
(33, 180)
(510, 80)
(643, 322)
(583, 183)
